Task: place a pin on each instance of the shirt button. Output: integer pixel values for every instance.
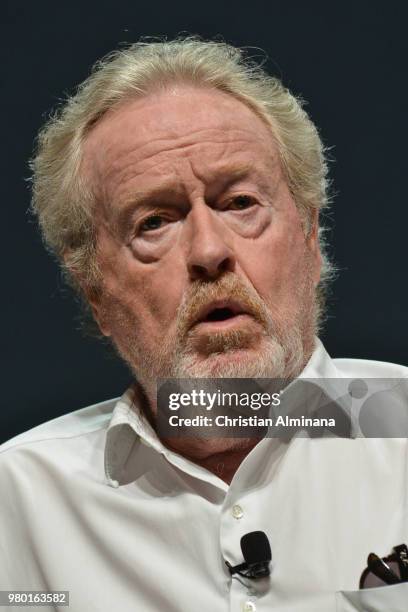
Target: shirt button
(238, 513)
(249, 606)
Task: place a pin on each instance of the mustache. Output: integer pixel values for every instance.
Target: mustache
(228, 286)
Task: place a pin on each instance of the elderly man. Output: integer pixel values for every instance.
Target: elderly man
(180, 188)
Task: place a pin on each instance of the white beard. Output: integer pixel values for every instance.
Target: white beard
(279, 348)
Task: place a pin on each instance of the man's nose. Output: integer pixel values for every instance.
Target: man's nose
(209, 254)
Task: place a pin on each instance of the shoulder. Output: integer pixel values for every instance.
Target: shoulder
(46, 473)
(367, 368)
(72, 427)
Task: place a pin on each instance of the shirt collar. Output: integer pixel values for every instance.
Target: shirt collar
(321, 390)
(129, 424)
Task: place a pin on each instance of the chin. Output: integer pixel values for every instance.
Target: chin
(265, 361)
(236, 363)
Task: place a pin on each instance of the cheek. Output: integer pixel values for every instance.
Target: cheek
(146, 294)
(160, 293)
(274, 264)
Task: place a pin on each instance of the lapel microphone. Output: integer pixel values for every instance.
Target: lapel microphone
(257, 553)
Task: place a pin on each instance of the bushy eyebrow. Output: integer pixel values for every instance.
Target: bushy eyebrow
(160, 195)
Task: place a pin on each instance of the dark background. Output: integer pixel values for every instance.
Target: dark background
(349, 60)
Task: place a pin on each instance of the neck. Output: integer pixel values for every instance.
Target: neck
(222, 458)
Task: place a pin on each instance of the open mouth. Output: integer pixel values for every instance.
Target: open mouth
(222, 313)
(219, 314)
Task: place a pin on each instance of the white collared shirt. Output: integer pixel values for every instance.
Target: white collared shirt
(93, 503)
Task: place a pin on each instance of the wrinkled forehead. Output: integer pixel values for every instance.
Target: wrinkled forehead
(206, 123)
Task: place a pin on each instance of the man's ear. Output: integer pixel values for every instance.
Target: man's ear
(312, 241)
(94, 300)
(91, 294)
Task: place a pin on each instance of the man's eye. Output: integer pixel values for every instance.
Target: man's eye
(241, 202)
(153, 222)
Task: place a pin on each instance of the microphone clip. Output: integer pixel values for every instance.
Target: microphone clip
(252, 571)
